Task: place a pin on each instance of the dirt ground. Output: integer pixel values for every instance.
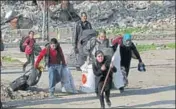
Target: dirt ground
(154, 88)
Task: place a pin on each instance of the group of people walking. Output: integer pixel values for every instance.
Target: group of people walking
(101, 64)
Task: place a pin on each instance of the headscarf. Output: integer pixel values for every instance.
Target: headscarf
(99, 52)
(125, 38)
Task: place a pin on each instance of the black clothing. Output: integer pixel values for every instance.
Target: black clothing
(80, 27)
(100, 78)
(126, 55)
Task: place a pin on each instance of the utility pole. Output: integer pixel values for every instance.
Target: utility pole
(44, 19)
(47, 24)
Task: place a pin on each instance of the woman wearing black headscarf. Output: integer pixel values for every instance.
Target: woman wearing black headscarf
(100, 69)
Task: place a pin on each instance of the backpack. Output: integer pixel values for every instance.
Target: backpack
(86, 35)
(93, 45)
(22, 48)
(107, 50)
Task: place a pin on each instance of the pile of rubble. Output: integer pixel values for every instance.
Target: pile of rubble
(31, 93)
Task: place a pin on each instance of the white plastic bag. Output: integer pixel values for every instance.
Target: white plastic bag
(84, 67)
(67, 81)
(118, 78)
(88, 79)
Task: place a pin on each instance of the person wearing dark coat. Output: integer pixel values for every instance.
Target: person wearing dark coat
(100, 69)
(81, 25)
(127, 49)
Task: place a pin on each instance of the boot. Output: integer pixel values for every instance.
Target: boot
(102, 102)
(108, 103)
(102, 106)
(121, 89)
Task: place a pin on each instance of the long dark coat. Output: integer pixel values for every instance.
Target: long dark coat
(101, 75)
(126, 55)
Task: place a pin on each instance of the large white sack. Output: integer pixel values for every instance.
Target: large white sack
(118, 78)
(84, 67)
(89, 85)
(90, 78)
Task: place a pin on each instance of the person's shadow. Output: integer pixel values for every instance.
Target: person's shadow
(21, 103)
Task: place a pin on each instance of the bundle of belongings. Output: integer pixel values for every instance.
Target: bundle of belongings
(86, 36)
(30, 78)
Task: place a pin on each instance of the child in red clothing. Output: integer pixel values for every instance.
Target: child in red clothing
(29, 46)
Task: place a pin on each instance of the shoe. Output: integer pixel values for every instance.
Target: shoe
(97, 96)
(109, 103)
(52, 95)
(78, 69)
(121, 89)
(102, 107)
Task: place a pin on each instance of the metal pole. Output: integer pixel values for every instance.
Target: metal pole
(47, 25)
(43, 28)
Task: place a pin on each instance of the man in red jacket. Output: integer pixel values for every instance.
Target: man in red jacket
(55, 61)
(29, 46)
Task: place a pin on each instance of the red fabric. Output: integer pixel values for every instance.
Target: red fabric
(28, 50)
(53, 56)
(117, 39)
(84, 78)
(29, 43)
